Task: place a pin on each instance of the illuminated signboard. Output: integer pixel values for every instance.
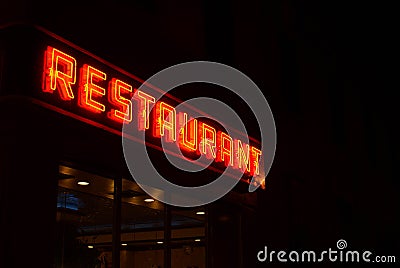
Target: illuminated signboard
(78, 84)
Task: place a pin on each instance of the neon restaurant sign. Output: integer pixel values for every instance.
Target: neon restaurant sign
(78, 84)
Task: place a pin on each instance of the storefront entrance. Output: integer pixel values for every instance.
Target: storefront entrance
(86, 211)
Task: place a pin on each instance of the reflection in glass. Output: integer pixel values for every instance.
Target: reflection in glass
(84, 220)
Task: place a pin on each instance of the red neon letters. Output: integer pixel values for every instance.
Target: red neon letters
(60, 72)
(145, 100)
(88, 90)
(166, 120)
(225, 150)
(188, 133)
(125, 104)
(208, 141)
(114, 99)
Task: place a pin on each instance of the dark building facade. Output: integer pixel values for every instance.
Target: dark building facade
(326, 71)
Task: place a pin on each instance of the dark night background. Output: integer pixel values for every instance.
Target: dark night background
(327, 70)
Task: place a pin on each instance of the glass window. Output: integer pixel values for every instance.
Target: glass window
(188, 235)
(142, 228)
(84, 219)
(85, 216)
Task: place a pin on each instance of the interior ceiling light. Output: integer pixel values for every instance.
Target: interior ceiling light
(83, 183)
(200, 213)
(148, 200)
